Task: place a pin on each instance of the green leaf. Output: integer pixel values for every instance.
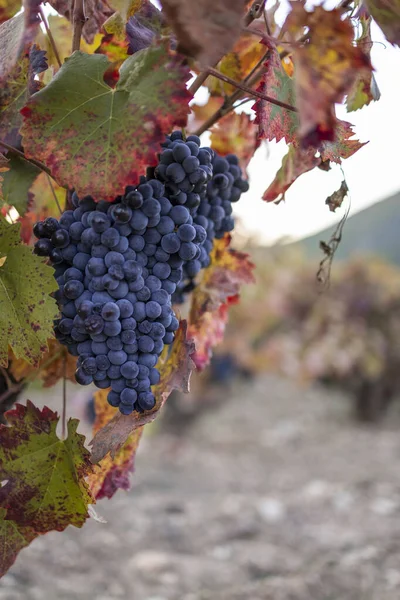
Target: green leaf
(274, 122)
(99, 139)
(26, 309)
(365, 88)
(46, 487)
(13, 95)
(17, 182)
(13, 538)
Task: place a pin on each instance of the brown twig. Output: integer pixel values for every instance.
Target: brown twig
(50, 36)
(78, 20)
(37, 164)
(249, 90)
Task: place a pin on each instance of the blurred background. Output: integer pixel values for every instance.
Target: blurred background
(278, 476)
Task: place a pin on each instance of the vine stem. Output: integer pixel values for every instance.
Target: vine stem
(78, 19)
(37, 163)
(249, 90)
(64, 398)
(50, 36)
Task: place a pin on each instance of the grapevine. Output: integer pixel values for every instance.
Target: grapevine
(118, 217)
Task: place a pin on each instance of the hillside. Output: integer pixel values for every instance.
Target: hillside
(375, 230)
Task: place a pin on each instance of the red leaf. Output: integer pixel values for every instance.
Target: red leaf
(325, 68)
(274, 122)
(236, 134)
(99, 139)
(45, 486)
(113, 472)
(341, 146)
(219, 287)
(175, 374)
(13, 538)
(96, 13)
(295, 163)
(206, 30)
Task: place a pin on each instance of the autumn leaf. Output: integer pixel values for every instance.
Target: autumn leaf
(101, 139)
(16, 34)
(96, 13)
(200, 114)
(13, 538)
(62, 31)
(341, 146)
(335, 200)
(387, 14)
(296, 162)
(236, 134)
(45, 476)
(364, 89)
(218, 287)
(275, 122)
(17, 182)
(299, 161)
(26, 309)
(8, 8)
(112, 474)
(175, 374)
(13, 95)
(206, 30)
(326, 68)
(54, 364)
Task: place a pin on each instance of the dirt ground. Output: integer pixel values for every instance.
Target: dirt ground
(274, 495)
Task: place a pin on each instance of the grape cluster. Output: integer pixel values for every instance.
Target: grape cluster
(214, 213)
(117, 265)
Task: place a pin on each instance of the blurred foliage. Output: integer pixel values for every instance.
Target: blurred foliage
(347, 336)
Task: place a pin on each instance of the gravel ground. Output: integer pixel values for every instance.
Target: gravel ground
(276, 495)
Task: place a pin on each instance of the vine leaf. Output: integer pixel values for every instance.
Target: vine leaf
(364, 89)
(201, 113)
(236, 134)
(326, 68)
(299, 160)
(46, 487)
(274, 122)
(218, 288)
(8, 9)
(16, 34)
(42, 205)
(100, 139)
(237, 64)
(335, 200)
(26, 309)
(387, 14)
(51, 367)
(13, 95)
(62, 32)
(295, 163)
(17, 181)
(96, 13)
(11, 36)
(342, 146)
(112, 474)
(205, 30)
(175, 375)
(13, 538)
